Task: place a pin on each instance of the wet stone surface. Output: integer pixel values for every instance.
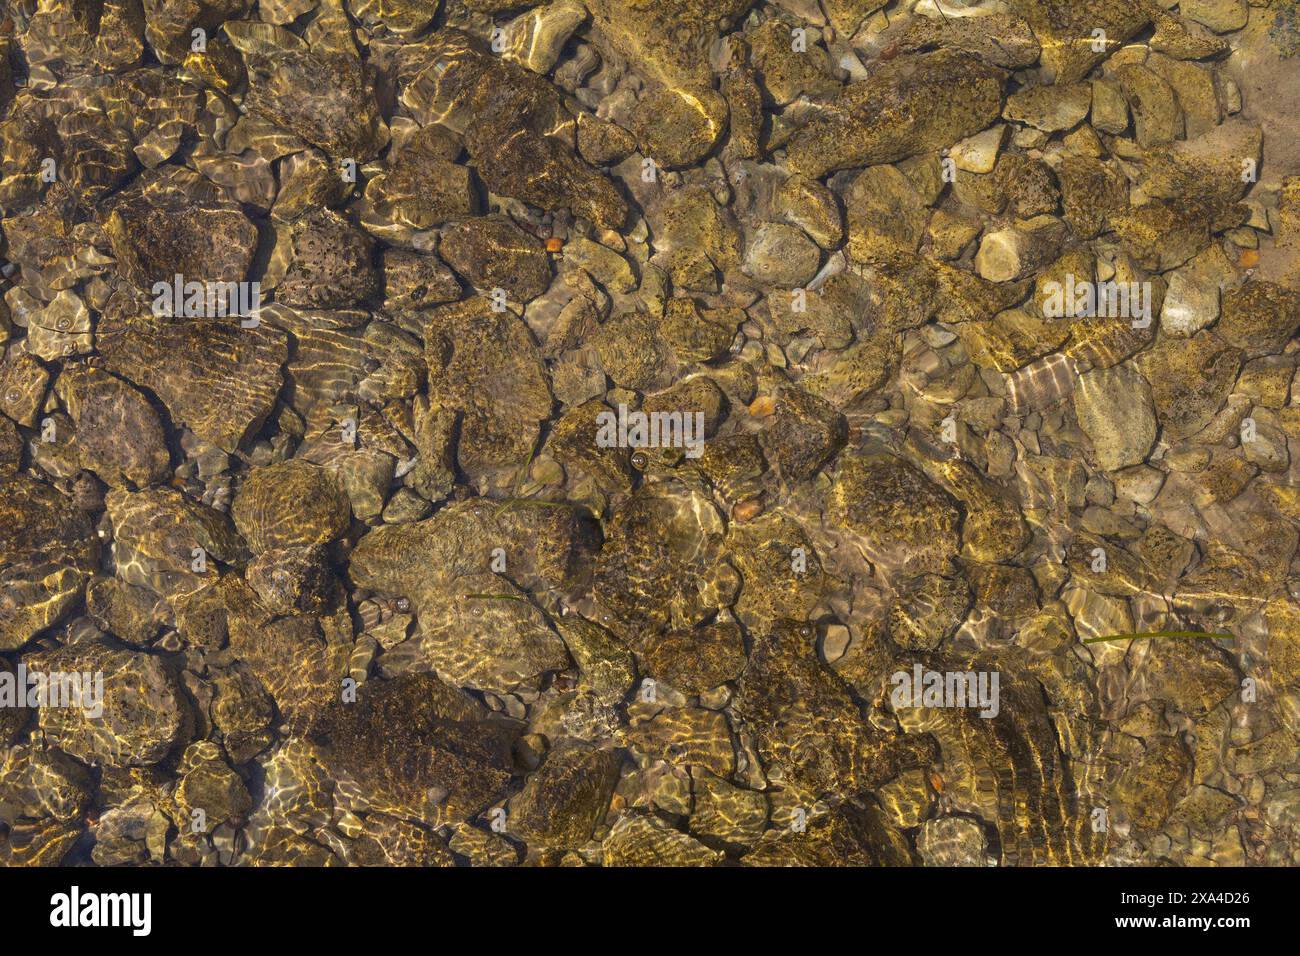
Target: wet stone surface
(625, 433)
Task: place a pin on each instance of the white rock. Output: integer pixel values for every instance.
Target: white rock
(1191, 303)
(1002, 254)
(1229, 94)
(979, 153)
(1192, 298)
(1013, 253)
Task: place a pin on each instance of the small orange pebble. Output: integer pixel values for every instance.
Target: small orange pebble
(762, 406)
(554, 244)
(1248, 259)
(747, 510)
(936, 782)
